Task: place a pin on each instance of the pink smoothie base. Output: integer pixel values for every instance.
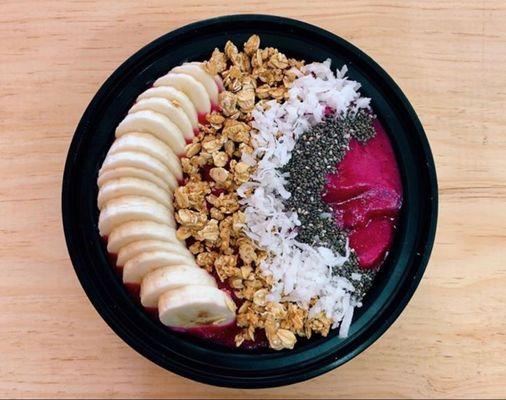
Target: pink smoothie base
(365, 194)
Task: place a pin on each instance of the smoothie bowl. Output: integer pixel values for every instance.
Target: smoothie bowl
(249, 208)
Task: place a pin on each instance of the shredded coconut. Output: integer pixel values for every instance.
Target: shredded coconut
(300, 272)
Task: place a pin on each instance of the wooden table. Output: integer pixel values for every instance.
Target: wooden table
(449, 57)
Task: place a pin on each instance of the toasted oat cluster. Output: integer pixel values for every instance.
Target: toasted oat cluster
(207, 206)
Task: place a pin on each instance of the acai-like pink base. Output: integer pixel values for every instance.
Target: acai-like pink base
(366, 195)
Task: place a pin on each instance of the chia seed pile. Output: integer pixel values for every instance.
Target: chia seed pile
(316, 154)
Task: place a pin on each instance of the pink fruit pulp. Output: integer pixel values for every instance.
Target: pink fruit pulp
(365, 194)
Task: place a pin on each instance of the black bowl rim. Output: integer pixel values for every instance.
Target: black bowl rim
(328, 363)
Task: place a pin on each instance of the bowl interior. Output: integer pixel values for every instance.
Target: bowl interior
(203, 360)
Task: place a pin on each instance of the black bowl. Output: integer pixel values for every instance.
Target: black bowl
(204, 361)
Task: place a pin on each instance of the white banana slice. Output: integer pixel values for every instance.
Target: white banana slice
(134, 231)
(147, 143)
(156, 282)
(195, 305)
(144, 246)
(217, 78)
(123, 209)
(219, 83)
(140, 160)
(131, 172)
(189, 86)
(156, 124)
(167, 108)
(177, 97)
(196, 71)
(133, 187)
(135, 269)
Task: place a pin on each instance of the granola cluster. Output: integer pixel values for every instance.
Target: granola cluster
(251, 76)
(207, 205)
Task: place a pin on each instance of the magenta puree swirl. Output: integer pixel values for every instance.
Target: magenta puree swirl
(366, 196)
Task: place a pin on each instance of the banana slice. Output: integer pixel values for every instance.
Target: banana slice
(196, 71)
(219, 83)
(177, 97)
(167, 108)
(133, 187)
(144, 246)
(156, 282)
(140, 160)
(133, 208)
(156, 124)
(130, 172)
(135, 231)
(195, 305)
(189, 86)
(146, 143)
(217, 78)
(135, 269)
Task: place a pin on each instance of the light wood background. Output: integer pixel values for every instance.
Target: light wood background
(450, 59)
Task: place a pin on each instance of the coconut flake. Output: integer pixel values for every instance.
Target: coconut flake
(300, 272)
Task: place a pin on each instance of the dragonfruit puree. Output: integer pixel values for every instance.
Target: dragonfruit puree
(365, 194)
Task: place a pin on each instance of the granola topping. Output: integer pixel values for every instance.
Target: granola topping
(208, 210)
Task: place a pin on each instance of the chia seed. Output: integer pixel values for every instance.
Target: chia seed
(316, 154)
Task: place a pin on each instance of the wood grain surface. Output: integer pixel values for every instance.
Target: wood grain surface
(449, 57)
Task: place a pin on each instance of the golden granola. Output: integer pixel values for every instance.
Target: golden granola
(207, 205)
